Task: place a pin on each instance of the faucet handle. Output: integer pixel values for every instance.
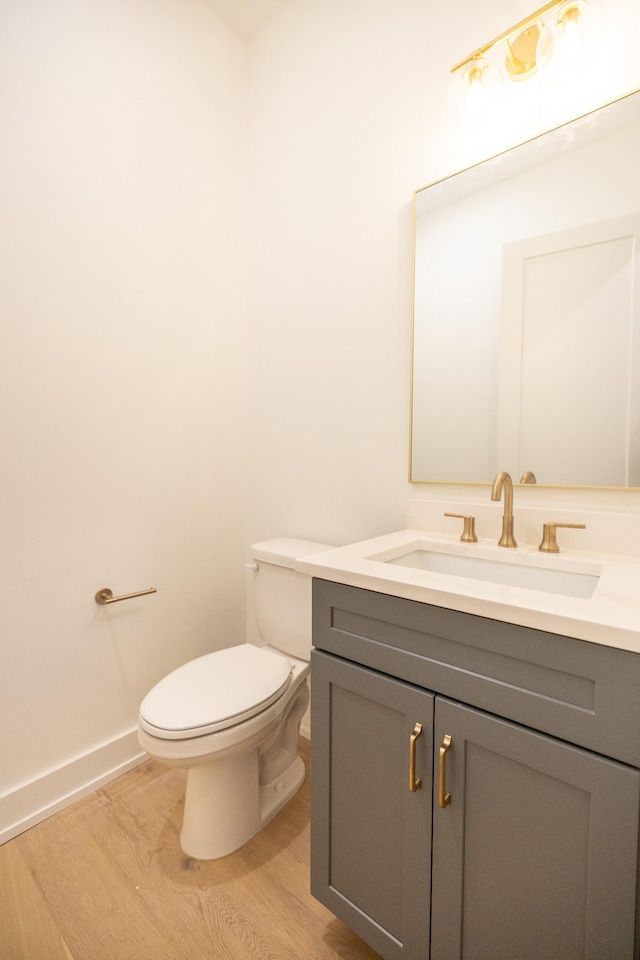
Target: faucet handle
(549, 543)
(468, 534)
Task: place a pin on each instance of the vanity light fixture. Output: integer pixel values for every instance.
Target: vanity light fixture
(555, 41)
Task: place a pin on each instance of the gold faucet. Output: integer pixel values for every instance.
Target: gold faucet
(528, 477)
(504, 481)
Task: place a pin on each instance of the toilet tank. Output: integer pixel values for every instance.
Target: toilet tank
(282, 597)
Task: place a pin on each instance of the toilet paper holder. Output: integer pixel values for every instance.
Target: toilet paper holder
(105, 595)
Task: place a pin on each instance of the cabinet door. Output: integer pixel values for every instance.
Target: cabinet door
(370, 833)
(535, 856)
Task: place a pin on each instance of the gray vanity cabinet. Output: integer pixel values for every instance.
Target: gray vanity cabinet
(519, 844)
(535, 855)
(371, 861)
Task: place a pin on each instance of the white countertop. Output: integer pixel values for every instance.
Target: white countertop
(611, 616)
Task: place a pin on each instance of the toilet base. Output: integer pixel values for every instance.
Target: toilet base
(274, 795)
(224, 806)
(232, 798)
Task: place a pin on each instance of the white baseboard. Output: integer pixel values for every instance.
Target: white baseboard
(35, 801)
(32, 802)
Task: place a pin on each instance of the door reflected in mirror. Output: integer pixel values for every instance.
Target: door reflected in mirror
(526, 311)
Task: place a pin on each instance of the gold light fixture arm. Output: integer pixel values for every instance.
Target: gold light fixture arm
(511, 32)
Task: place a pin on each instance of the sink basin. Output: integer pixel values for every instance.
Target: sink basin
(549, 579)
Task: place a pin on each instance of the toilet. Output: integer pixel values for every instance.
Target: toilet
(232, 717)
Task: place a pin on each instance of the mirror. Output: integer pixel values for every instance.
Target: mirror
(526, 341)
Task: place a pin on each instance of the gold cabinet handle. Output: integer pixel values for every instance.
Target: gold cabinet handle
(444, 798)
(414, 782)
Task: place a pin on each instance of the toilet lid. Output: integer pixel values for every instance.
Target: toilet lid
(214, 692)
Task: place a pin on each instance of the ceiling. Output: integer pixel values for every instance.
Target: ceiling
(245, 17)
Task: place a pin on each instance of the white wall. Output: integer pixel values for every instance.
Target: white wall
(122, 372)
(351, 114)
(329, 268)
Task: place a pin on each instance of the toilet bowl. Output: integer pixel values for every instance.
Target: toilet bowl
(232, 717)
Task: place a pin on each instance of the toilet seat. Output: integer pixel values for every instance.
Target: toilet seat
(213, 692)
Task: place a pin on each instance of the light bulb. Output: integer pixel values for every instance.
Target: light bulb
(476, 81)
(475, 89)
(569, 40)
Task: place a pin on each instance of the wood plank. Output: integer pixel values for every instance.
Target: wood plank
(91, 880)
(111, 871)
(27, 928)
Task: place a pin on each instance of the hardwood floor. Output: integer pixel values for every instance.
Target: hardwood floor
(105, 879)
